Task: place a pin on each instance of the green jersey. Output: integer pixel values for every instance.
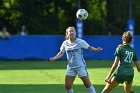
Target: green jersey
(127, 55)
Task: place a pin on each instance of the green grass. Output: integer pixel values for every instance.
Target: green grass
(45, 77)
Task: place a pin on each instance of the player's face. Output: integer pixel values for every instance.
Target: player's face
(71, 33)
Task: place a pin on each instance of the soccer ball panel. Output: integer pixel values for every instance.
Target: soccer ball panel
(82, 14)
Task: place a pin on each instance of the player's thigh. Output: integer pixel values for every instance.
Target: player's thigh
(127, 87)
(69, 81)
(70, 77)
(109, 86)
(83, 74)
(86, 81)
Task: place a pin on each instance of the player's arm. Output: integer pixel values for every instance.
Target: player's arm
(59, 55)
(91, 48)
(85, 45)
(137, 66)
(113, 68)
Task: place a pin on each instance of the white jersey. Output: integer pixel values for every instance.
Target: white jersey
(74, 52)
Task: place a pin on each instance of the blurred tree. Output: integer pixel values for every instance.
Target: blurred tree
(117, 15)
(47, 16)
(96, 23)
(136, 15)
(54, 16)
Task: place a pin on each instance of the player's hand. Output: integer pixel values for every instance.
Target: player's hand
(107, 79)
(99, 49)
(51, 59)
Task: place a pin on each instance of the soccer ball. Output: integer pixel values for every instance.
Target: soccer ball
(82, 14)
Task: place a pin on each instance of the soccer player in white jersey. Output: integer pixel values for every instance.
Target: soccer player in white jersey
(76, 64)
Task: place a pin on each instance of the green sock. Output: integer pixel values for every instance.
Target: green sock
(132, 91)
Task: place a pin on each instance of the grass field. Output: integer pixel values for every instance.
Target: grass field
(45, 77)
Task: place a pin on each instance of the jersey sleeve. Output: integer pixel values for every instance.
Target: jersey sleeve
(62, 48)
(117, 52)
(84, 44)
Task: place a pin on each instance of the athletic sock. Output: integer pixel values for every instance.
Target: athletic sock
(132, 91)
(70, 91)
(91, 89)
(102, 92)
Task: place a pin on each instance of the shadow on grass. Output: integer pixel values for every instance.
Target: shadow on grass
(12, 65)
(54, 88)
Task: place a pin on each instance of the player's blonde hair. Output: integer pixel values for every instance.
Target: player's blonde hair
(67, 37)
(127, 37)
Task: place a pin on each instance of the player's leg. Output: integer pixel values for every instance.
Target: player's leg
(87, 84)
(127, 87)
(69, 79)
(68, 83)
(83, 74)
(86, 81)
(128, 84)
(109, 86)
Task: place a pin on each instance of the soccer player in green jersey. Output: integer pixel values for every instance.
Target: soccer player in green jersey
(122, 66)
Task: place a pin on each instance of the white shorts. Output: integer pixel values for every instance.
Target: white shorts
(80, 71)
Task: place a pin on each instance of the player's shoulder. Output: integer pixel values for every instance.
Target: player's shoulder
(79, 40)
(64, 42)
(120, 46)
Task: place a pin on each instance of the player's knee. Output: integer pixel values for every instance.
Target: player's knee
(87, 85)
(68, 87)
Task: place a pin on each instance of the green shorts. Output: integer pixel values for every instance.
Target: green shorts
(124, 78)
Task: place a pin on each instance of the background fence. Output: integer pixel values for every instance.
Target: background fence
(44, 47)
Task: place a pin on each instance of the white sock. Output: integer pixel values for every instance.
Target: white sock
(102, 92)
(91, 89)
(70, 91)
